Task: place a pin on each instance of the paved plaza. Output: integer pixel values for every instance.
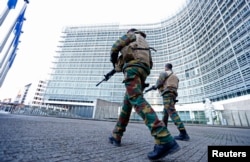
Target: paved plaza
(48, 139)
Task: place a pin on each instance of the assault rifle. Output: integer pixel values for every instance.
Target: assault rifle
(150, 89)
(154, 88)
(107, 76)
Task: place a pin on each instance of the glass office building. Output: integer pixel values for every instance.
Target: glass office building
(208, 43)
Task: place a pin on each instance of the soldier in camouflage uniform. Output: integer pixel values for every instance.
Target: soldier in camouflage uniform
(167, 84)
(135, 62)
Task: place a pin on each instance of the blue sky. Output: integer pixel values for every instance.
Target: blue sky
(46, 19)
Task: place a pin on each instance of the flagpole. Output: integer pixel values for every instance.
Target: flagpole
(4, 15)
(11, 4)
(11, 28)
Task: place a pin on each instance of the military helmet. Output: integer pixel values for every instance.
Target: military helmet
(137, 32)
(132, 30)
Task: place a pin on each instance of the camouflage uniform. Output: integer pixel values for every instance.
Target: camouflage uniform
(167, 84)
(135, 72)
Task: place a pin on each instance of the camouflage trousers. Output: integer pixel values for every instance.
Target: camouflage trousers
(169, 110)
(133, 98)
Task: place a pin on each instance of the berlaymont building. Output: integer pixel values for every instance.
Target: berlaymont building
(208, 43)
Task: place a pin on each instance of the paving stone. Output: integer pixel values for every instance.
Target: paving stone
(47, 139)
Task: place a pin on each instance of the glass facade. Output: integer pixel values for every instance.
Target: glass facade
(207, 42)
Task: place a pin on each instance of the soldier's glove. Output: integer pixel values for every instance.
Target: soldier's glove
(113, 62)
(113, 58)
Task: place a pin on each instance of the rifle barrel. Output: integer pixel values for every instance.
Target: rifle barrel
(107, 76)
(100, 82)
(150, 89)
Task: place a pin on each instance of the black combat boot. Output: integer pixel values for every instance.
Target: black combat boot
(162, 150)
(115, 142)
(183, 136)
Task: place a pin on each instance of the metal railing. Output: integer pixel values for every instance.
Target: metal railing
(235, 118)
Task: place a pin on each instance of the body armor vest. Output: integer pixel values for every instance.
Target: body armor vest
(170, 84)
(137, 50)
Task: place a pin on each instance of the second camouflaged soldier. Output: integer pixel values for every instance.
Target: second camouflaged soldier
(167, 84)
(135, 62)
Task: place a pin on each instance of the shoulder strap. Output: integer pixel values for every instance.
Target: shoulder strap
(148, 49)
(169, 75)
